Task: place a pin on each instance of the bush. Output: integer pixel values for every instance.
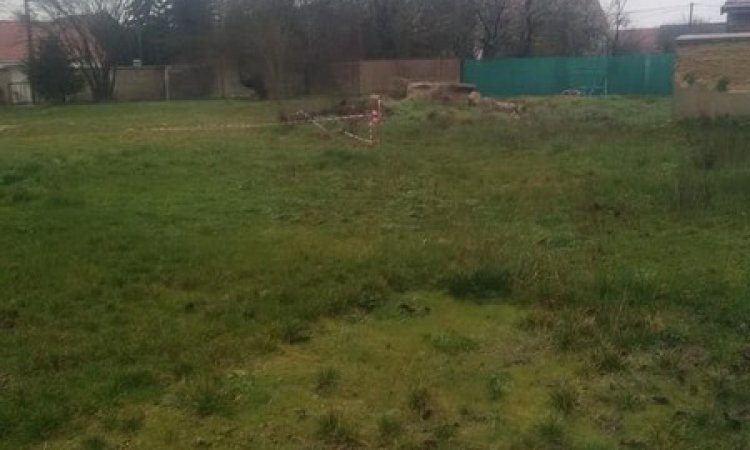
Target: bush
(51, 73)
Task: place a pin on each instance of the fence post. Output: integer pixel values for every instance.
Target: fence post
(166, 83)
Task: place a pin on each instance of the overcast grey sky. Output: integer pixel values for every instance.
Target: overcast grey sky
(644, 13)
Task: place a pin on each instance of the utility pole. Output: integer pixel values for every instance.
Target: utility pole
(692, 9)
(29, 43)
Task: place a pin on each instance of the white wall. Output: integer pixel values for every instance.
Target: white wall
(14, 85)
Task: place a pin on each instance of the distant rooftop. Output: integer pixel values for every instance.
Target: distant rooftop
(735, 5)
(688, 38)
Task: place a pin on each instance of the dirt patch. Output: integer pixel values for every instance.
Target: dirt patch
(446, 92)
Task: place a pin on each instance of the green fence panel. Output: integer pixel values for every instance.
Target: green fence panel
(633, 74)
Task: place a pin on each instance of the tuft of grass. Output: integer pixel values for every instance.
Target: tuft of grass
(332, 429)
(446, 431)
(480, 285)
(210, 396)
(134, 380)
(132, 421)
(563, 397)
(389, 428)
(94, 443)
(498, 385)
(627, 401)
(452, 343)
(293, 331)
(327, 380)
(419, 402)
(607, 359)
(551, 432)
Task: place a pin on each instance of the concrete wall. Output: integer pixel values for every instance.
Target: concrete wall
(155, 83)
(738, 23)
(14, 88)
(144, 83)
(703, 66)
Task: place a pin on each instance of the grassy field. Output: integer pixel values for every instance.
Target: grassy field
(575, 279)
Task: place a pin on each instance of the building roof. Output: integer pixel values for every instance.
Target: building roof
(735, 5)
(12, 40)
(640, 40)
(695, 38)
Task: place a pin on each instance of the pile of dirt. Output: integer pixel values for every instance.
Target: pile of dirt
(462, 94)
(441, 91)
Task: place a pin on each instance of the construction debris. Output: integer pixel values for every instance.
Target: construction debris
(441, 91)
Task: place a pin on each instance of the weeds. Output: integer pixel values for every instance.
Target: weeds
(389, 428)
(333, 429)
(607, 359)
(134, 269)
(452, 343)
(627, 401)
(132, 421)
(210, 396)
(499, 385)
(480, 285)
(293, 331)
(551, 432)
(94, 443)
(326, 381)
(563, 397)
(420, 402)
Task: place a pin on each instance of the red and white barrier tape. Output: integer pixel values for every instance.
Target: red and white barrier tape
(375, 116)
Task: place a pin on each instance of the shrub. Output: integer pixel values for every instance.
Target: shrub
(51, 73)
(722, 85)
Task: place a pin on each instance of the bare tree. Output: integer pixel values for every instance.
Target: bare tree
(618, 19)
(533, 14)
(492, 17)
(576, 27)
(93, 34)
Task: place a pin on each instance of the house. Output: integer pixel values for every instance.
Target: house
(738, 15)
(638, 40)
(669, 33)
(14, 86)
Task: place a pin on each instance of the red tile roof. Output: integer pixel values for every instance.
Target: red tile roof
(643, 40)
(12, 40)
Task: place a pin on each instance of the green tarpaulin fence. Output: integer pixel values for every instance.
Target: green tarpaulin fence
(633, 74)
